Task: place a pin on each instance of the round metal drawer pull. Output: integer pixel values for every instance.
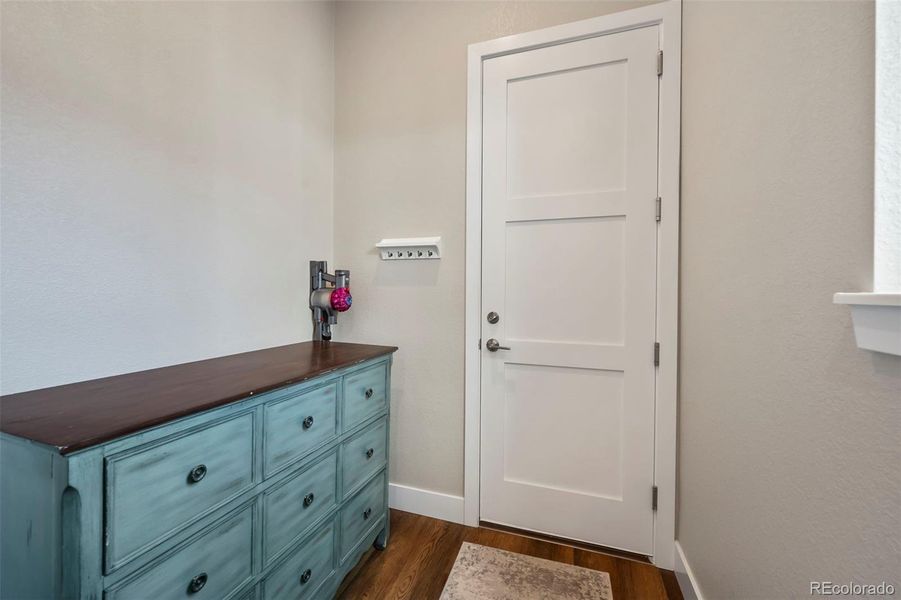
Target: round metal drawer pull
(197, 583)
(308, 499)
(369, 453)
(369, 393)
(367, 513)
(196, 474)
(308, 422)
(306, 576)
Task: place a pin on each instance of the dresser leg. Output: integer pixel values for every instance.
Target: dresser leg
(381, 541)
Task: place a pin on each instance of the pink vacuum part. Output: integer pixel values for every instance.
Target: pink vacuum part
(341, 299)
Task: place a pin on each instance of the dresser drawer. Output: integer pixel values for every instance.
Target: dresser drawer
(361, 513)
(295, 425)
(213, 566)
(290, 508)
(363, 455)
(365, 395)
(154, 491)
(304, 572)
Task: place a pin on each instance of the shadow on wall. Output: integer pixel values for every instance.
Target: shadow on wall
(406, 273)
(886, 365)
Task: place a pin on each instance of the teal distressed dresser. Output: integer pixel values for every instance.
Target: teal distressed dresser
(257, 476)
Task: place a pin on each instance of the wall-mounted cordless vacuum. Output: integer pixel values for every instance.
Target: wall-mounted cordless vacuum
(326, 302)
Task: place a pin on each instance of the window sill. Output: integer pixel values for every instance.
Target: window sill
(877, 320)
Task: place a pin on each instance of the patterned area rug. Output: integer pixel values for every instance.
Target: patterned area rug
(483, 573)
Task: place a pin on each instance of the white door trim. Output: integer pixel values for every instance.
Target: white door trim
(668, 17)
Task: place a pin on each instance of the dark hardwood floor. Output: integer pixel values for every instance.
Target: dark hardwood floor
(422, 550)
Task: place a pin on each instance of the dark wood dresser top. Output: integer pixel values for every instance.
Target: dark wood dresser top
(80, 415)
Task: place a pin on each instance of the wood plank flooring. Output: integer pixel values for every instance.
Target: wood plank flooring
(422, 550)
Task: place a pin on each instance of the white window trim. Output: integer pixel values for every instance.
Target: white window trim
(877, 314)
(887, 201)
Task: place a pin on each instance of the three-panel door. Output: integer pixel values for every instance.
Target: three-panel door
(569, 243)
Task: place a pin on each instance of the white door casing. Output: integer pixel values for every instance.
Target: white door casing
(666, 16)
(569, 249)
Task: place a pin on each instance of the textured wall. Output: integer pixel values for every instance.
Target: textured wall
(166, 176)
(400, 127)
(790, 454)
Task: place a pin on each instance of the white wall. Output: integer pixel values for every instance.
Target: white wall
(166, 176)
(790, 454)
(400, 125)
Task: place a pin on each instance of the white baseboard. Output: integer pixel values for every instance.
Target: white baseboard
(687, 582)
(425, 502)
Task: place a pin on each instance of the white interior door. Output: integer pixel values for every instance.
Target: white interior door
(569, 265)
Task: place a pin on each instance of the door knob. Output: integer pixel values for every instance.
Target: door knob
(493, 345)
